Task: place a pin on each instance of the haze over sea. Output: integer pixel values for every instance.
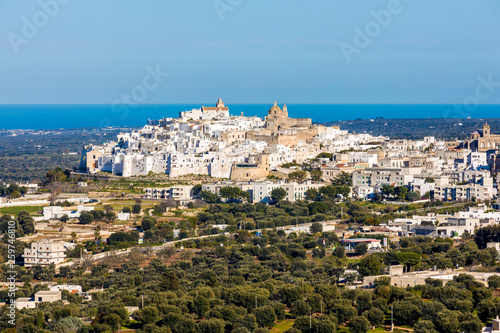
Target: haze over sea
(79, 115)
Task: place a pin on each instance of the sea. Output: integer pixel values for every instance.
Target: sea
(61, 116)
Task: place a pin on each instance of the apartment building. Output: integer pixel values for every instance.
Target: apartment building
(479, 188)
(452, 227)
(44, 253)
(381, 176)
(179, 192)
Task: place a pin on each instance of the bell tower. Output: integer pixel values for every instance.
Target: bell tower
(486, 130)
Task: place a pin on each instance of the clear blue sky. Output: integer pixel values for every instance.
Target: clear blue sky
(93, 51)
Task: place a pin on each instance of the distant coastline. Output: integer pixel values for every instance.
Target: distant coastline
(59, 116)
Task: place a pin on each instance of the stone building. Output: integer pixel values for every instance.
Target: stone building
(483, 140)
(278, 119)
(255, 168)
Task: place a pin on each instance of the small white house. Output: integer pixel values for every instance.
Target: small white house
(123, 216)
(41, 296)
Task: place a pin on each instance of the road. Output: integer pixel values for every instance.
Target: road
(157, 248)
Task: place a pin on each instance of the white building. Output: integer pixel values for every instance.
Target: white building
(178, 192)
(72, 288)
(121, 216)
(56, 212)
(39, 297)
(44, 253)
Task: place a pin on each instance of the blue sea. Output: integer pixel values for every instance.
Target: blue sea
(78, 116)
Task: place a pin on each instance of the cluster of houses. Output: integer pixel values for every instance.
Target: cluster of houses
(210, 141)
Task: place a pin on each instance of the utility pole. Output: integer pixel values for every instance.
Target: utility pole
(392, 318)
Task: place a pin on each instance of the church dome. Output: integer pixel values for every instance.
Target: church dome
(275, 107)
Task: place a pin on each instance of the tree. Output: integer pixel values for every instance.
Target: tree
(339, 251)
(86, 218)
(149, 315)
(317, 207)
(470, 323)
(312, 194)
(412, 196)
(319, 252)
(209, 197)
(185, 325)
(136, 208)
(196, 190)
(297, 176)
(232, 193)
(302, 324)
(316, 175)
(425, 326)
(332, 192)
(26, 222)
(64, 218)
(387, 190)
(361, 248)
(316, 228)
(359, 324)
(110, 217)
(430, 180)
(409, 259)
(169, 281)
(370, 265)
(265, 316)
(300, 308)
(343, 178)
(375, 316)
(278, 194)
(73, 237)
(212, 325)
(447, 321)
(40, 319)
(148, 223)
(493, 281)
(406, 312)
(486, 309)
(200, 305)
(400, 192)
(126, 209)
(344, 311)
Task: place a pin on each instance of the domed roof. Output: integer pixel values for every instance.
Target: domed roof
(275, 107)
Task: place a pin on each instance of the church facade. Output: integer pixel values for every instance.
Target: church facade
(483, 140)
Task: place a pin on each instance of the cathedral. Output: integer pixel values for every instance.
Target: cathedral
(277, 119)
(483, 140)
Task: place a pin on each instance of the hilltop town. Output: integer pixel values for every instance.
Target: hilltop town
(250, 152)
(211, 222)
(210, 141)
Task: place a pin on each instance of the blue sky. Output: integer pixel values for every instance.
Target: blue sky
(256, 51)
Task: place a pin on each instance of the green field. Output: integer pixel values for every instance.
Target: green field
(282, 326)
(16, 210)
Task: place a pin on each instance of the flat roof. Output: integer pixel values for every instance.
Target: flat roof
(357, 240)
(48, 292)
